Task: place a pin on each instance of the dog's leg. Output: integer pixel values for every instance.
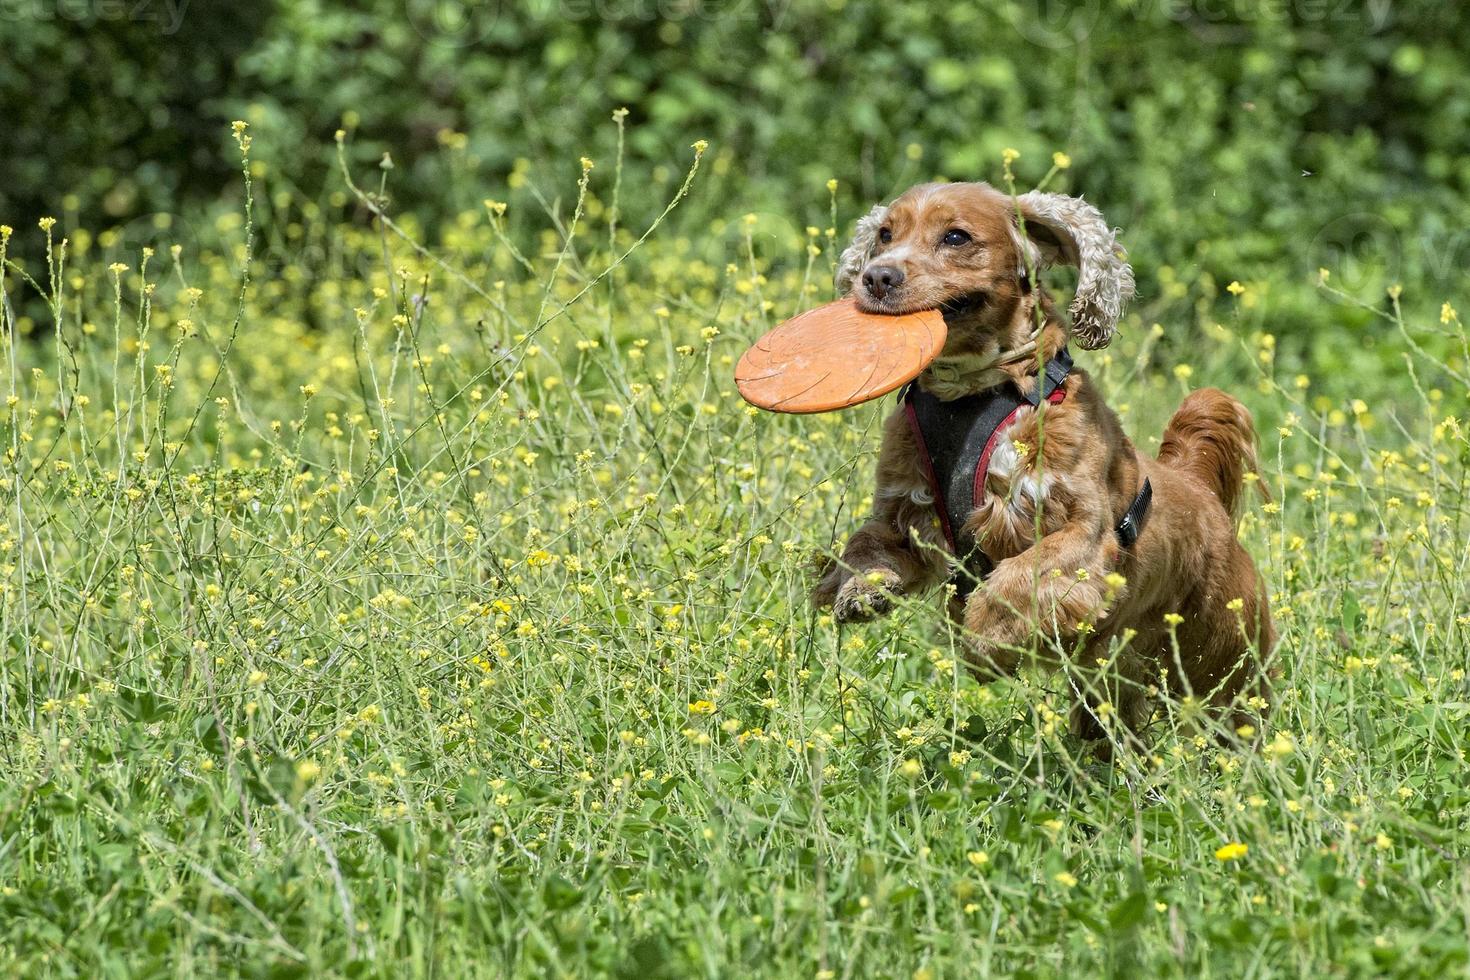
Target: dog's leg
(898, 550)
(1058, 591)
(878, 564)
(1113, 702)
(1229, 637)
(1057, 588)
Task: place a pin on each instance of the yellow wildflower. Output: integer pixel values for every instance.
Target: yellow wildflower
(1231, 852)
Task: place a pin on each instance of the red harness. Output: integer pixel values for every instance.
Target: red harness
(957, 438)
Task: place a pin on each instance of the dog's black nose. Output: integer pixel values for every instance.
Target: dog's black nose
(881, 279)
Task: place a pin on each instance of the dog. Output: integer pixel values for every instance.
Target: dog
(1072, 548)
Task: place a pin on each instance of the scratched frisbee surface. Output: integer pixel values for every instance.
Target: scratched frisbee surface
(837, 356)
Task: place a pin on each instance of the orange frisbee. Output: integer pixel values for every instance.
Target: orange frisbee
(837, 356)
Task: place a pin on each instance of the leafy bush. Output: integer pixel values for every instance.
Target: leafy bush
(1230, 140)
(112, 110)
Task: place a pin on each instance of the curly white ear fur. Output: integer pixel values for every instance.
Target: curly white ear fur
(1068, 229)
(852, 260)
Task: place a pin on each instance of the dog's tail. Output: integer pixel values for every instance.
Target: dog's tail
(1213, 439)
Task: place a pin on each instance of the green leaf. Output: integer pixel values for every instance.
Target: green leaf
(1351, 616)
(944, 801)
(1128, 912)
(558, 893)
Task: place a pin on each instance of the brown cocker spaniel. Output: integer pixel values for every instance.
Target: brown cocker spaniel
(1004, 469)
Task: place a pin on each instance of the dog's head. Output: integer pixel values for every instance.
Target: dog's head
(968, 250)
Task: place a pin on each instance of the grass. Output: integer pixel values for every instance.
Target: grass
(442, 612)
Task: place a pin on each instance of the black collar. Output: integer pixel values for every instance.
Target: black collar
(1131, 526)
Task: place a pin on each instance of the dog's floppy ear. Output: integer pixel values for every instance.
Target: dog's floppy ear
(1069, 230)
(850, 263)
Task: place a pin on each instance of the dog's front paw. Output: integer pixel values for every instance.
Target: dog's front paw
(992, 635)
(865, 595)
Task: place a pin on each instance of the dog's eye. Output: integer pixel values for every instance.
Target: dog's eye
(885, 235)
(955, 238)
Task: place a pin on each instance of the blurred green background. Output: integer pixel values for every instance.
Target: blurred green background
(1231, 140)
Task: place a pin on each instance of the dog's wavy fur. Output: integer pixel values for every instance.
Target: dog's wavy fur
(1062, 476)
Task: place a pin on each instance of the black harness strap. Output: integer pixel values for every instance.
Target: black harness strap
(1131, 526)
(955, 439)
(955, 434)
(1053, 375)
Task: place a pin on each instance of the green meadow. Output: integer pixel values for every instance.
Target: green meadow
(393, 583)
